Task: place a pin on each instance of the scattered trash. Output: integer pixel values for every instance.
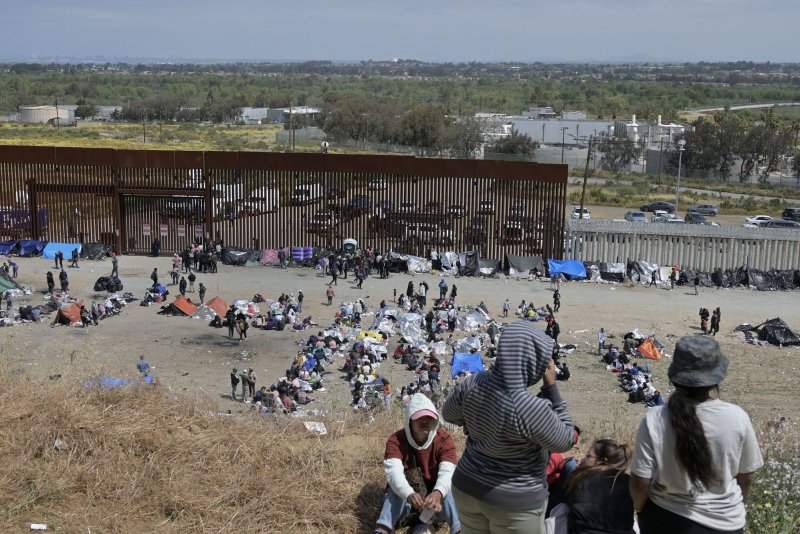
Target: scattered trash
(315, 426)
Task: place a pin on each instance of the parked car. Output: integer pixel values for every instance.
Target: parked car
(576, 213)
(377, 184)
(486, 207)
(758, 220)
(705, 209)
(792, 214)
(662, 216)
(635, 216)
(433, 207)
(659, 205)
(780, 223)
(692, 217)
(407, 207)
(457, 210)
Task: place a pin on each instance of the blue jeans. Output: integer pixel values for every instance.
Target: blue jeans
(395, 510)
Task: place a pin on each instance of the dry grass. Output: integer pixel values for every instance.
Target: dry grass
(136, 459)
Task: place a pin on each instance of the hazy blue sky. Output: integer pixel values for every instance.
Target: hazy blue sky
(431, 30)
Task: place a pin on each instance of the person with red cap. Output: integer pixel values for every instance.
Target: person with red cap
(422, 450)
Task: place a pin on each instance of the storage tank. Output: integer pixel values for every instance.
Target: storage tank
(40, 114)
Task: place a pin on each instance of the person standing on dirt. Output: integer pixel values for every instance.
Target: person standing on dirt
(14, 268)
(453, 294)
(714, 323)
(64, 279)
(696, 283)
(245, 383)
(51, 283)
(442, 288)
(506, 307)
(154, 277)
(59, 257)
(114, 264)
(334, 275)
(234, 382)
(672, 276)
(182, 286)
(282, 257)
(653, 279)
(330, 294)
(74, 258)
(556, 300)
(142, 366)
(230, 319)
(410, 289)
(202, 293)
(191, 279)
(300, 298)
(601, 341)
(155, 247)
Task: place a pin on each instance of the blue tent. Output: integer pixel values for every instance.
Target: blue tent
(31, 247)
(463, 362)
(51, 248)
(7, 247)
(571, 269)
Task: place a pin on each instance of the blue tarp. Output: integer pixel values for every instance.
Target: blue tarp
(111, 383)
(51, 248)
(7, 246)
(31, 247)
(569, 268)
(463, 362)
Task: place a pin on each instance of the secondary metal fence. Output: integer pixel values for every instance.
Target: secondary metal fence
(693, 246)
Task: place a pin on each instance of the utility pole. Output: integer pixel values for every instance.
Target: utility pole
(58, 122)
(585, 177)
(563, 141)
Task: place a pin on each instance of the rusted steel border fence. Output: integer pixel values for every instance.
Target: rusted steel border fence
(127, 198)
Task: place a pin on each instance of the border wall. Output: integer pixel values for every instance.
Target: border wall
(692, 246)
(127, 198)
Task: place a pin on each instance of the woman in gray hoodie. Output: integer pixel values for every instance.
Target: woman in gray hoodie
(500, 482)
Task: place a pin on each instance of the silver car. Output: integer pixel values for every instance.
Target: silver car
(706, 209)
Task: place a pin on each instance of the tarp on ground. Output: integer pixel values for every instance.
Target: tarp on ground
(410, 325)
(6, 282)
(7, 247)
(760, 280)
(598, 271)
(777, 332)
(488, 267)
(31, 247)
(240, 257)
(218, 305)
(95, 251)
(70, 315)
(269, 256)
(521, 266)
(417, 264)
(686, 277)
(784, 280)
(204, 313)
(729, 277)
(50, 249)
(470, 263)
(649, 350)
(571, 269)
(640, 272)
(448, 260)
(466, 363)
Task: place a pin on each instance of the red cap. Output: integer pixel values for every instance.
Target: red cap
(424, 413)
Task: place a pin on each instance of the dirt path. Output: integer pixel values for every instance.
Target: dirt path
(193, 359)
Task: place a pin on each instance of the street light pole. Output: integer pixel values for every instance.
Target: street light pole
(681, 145)
(563, 141)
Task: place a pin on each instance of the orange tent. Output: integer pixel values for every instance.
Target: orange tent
(183, 304)
(218, 305)
(69, 315)
(649, 350)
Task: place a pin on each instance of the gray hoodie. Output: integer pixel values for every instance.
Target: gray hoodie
(510, 430)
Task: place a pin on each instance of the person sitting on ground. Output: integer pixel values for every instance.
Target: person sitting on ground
(425, 447)
(597, 491)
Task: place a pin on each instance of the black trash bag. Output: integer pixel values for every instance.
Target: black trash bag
(777, 332)
(760, 280)
(112, 284)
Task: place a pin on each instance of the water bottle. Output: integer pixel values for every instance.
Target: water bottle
(427, 515)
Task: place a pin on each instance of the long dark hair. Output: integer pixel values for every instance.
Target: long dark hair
(611, 455)
(691, 446)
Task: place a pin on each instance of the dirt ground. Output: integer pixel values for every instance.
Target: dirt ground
(194, 360)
